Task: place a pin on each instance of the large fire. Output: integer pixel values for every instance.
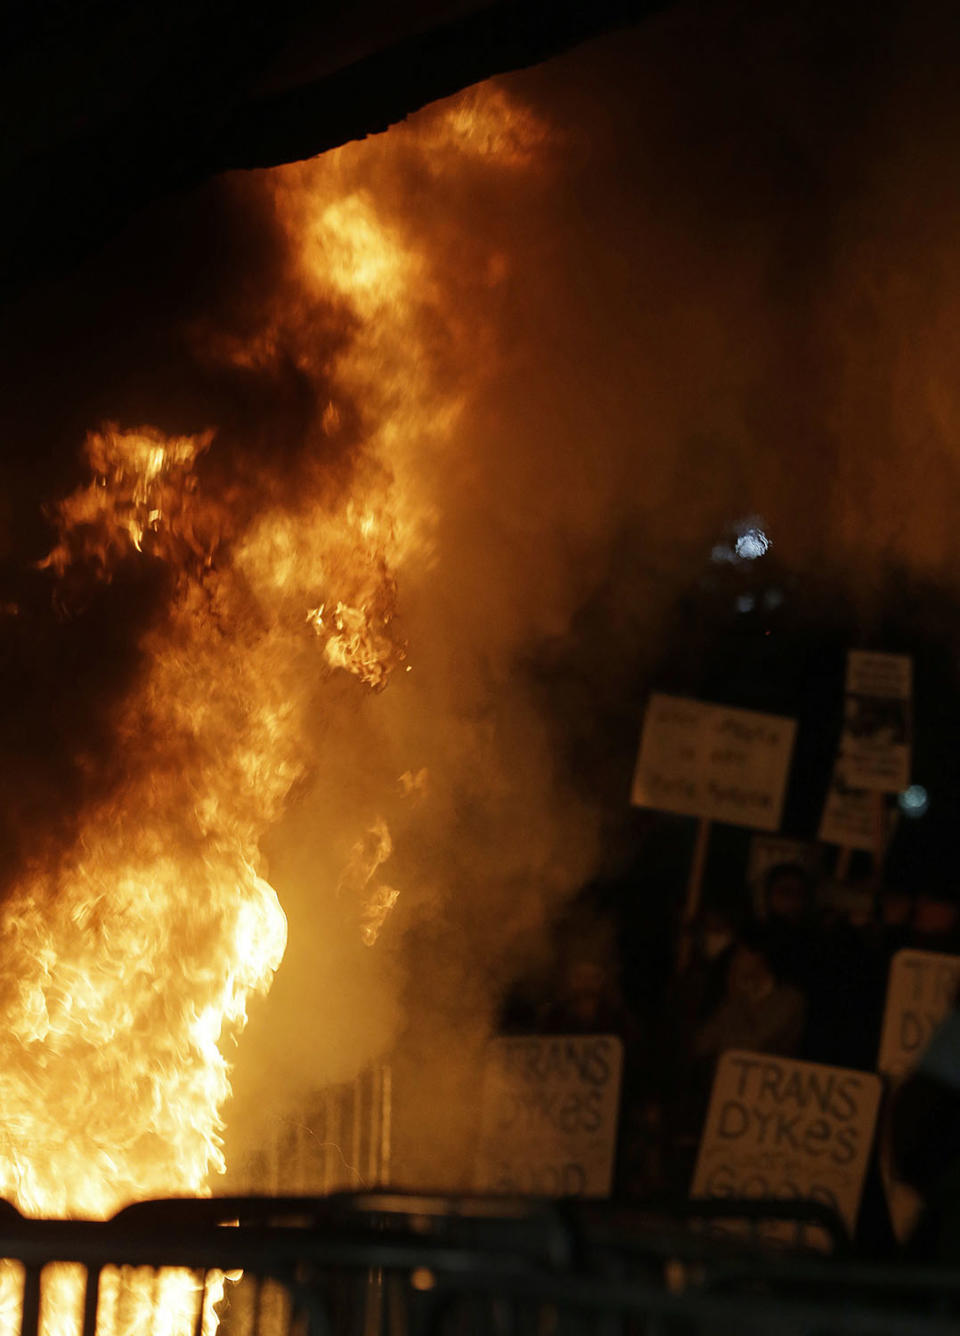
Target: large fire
(130, 957)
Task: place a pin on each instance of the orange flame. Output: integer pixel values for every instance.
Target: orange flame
(141, 485)
(130, 958)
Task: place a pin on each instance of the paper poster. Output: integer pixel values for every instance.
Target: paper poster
(790, 1130)
(714, 761)
(550, 1109)
(850, 816)
(769, 851)
(874, 750)
(920, 992)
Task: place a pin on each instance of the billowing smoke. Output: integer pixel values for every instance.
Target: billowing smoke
(555, 337)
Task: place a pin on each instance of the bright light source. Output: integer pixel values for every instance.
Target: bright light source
(752, 543)
(913, 801)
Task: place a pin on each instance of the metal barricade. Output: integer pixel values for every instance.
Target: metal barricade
(391, 1264)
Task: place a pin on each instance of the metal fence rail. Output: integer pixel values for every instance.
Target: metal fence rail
(387, 1264)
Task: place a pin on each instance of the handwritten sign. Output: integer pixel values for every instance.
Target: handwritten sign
(797, 1131)
(920, 991)
(713, 761)
(549, 1115)
(875, 742)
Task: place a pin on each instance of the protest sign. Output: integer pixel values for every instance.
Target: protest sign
(920, 991)
(875, 743)
(849, 815)
(879, 675)
(770, 851)
(781, 1128)
(714, 762)
(549, 1115)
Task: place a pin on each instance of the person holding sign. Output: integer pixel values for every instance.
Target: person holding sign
(759, 1011)
(792, 929)
(790, 1130)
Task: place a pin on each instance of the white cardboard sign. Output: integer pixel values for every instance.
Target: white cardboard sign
(781, 1128)
(920, 992)
(875, 742)
(550, 1109)
(714, 761)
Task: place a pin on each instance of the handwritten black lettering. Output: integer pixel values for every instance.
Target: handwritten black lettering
(665, 787)
(763, 1122)
(746, 1066)
(739, 796)
(734, 1120)
(948, 977)
(568, 1114)
(913, 1032)
(786, 1130)
(795, 1088)
(823, 1194)
(847, 1106)
(845, 1146)
(772, 1076)
(721, 1182)
(821, 1088)
(728, 756)
(816, 1137)
(748, 733)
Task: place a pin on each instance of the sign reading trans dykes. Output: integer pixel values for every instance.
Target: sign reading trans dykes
(714, 761)
(549, 1113)
(785, 1129)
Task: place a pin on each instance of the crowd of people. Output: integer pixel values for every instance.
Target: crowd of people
(797, 976)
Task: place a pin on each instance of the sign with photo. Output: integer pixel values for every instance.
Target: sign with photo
(849, 815)
(770, 851)
(876, 739)
(791, 1130)
(714, 761)
(549, 1114)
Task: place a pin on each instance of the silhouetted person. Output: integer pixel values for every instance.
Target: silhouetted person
(791, 923)
(759, 1010)
(588, 1000)
(702, 982)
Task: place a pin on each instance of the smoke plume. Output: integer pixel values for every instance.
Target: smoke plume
(555, 336)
